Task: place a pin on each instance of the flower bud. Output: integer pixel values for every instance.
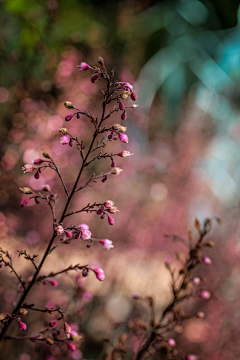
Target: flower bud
(116, 171)
(59, 230)
(104, 178)
(39, 161)
(124, 115)
(108, 204)
(83, 227)
(46, 155)
(99, 274)
(63, 131)
(123, 137)
(116, 127)
(86, 234)
(71, 347)
(100, 210)
(124, 153)
(206, 260)
(83, 67)
(67, 328)
(68, 234)
(53, 323)
(110, 220)
(107, 244)
(95, 77)
(100, 61)
(113, 163)
(22, 312)
(69, 117)
(126, 85)
(37, 174)
(171, 342)
(28, 168)
(64, 140)
(46, 188)
(69, 105)
(103, 216)
(26, 190)
(22, 326)
(24, 202)
(121, 106)
(205, 294)
(113, 210)
(200, 314)
(133, 96)
(54, 283)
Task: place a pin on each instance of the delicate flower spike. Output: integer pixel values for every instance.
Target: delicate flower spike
(22, 326)
(53, 323)
(39, 161)
(121, 106)
(124, 153)
(133, 96)
(171, 342)
(68, 234)
(71, 347)
(196, 280)
(205, 294)
(108, 204)
(54, 283)
(107, 244)
(24, 202)
(59, 230)
(110, 220)
(67, 328)
(116, 171)
(83, 67)
(99, 274)
(28, 168)
(64, 140)
(123, 137)
(124, 115)
(69, 105)
(83, 227)
(69, 117)
(86, 234)
(200, 314)
(95, 77)
(206, 260)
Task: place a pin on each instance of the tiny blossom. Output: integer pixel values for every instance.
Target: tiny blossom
(64, 140)
(22, 311)
(200, 315)
(54, 283)
(28, 168)
(133, 96)
(24, 202)
(113, 210)
(205, 294)
(127, 85)
(22, 326)
(206, 260)
(83, 227)
(124, 115)
(59, 230)
(67, 328)
(99, 274)
(69, 117)
(171, 342)
(39, 161)
(108, 204)
(83, 67)
(116, 171)
(110, 220)
(86, 234)
(107, 244)
(71, 347)
(123, 137)
(196, 280)
(53, 323)
(68, 234)
(124, 153)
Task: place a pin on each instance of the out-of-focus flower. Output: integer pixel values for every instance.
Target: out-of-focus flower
(53, 323)
(200, 314)
(171, 342)
(206, 260)
(196, 280)
(28, 168)
(71, 347)
(99, 274)
(26, 190)
(205, 294)
(107, 244)
(54, 283)
(83, 227)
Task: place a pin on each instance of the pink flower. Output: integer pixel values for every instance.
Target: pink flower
(53, 323)
(39, 161)
(64, 140)
(67, 328)
(133, 96)
(171, 342)
(68, 234)
(59, 230)
(124, 153)
(113, 210)
(124, 115)
(123, 137)
(95, 77)
(24, 202)
(192, 357)
(107, 244)
(205, 294)
(84, 227)
(196, 280)
(108, 204)
(99, 274)
(116, 171)
(127, 85)
(69, 117)
(28, 168)
(54, 283)
(71, 347)
(22, 326)
(110, 220)
(206, 260)
(86, 234)
(83, 67)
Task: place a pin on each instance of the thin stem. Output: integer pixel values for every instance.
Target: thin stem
(60, 177)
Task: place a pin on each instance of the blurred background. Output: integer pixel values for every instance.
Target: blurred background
(183, 58)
